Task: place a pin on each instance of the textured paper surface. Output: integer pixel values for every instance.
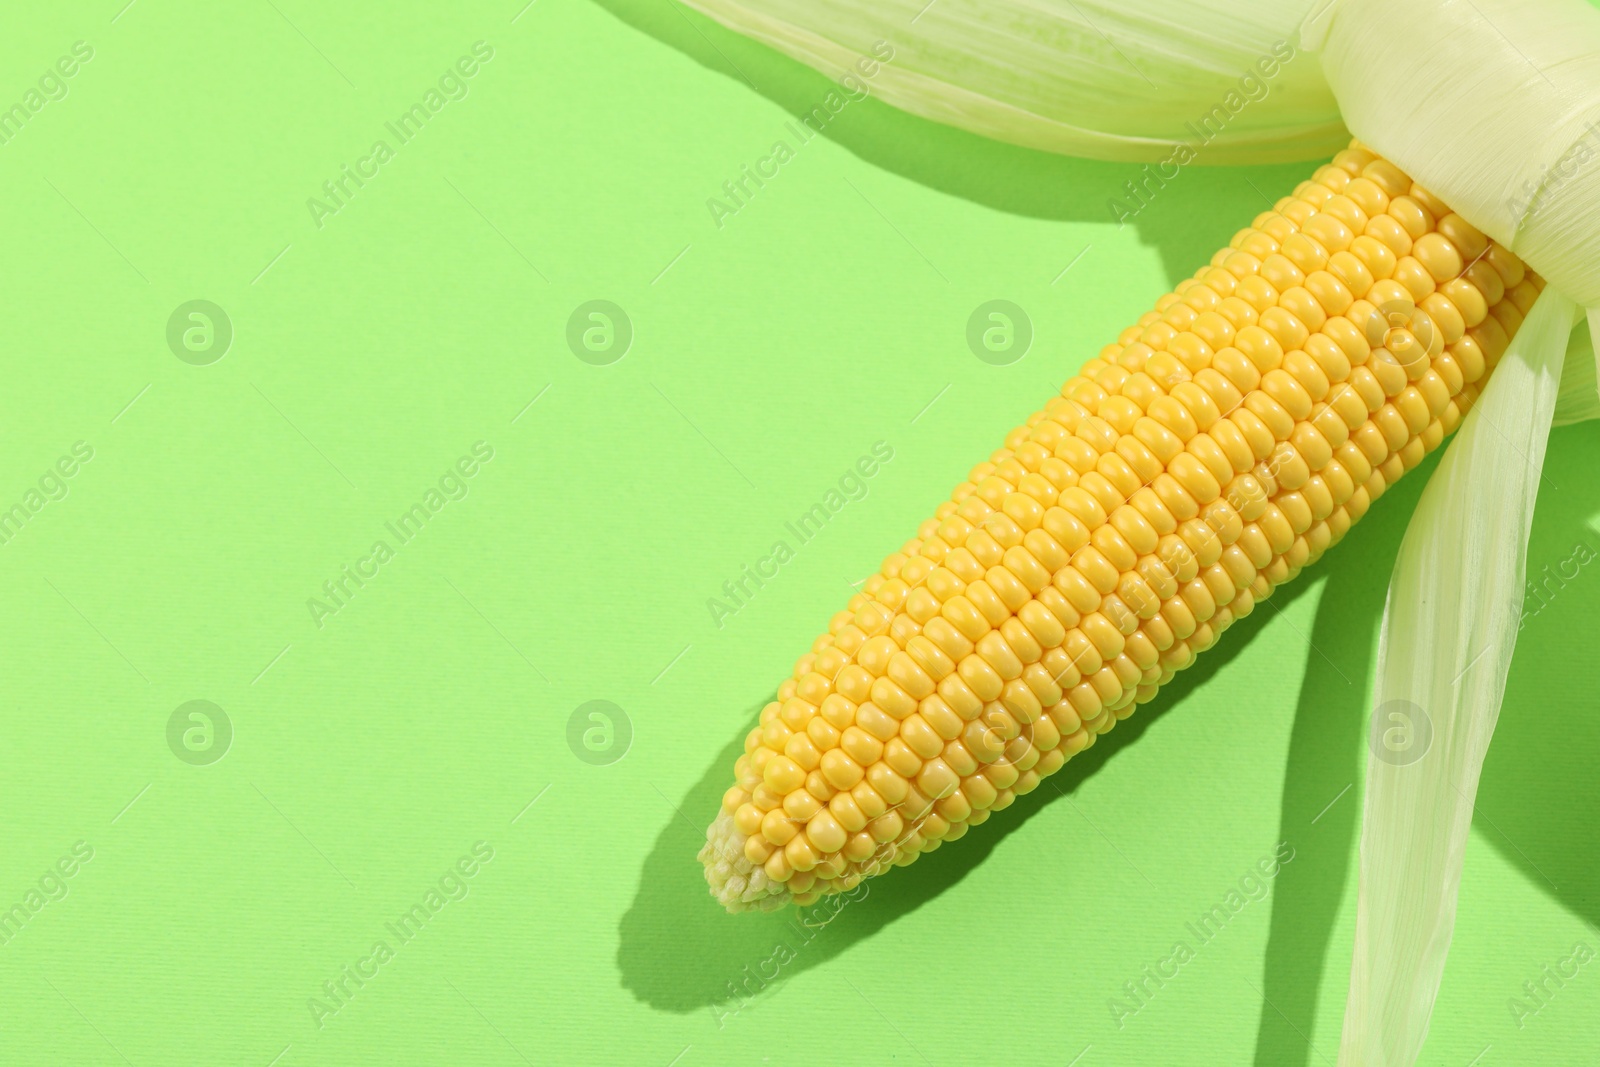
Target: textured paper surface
(416, 722)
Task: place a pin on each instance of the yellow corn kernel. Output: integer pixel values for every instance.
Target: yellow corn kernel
(1219, 448)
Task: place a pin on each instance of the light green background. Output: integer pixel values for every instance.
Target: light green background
(428, 714)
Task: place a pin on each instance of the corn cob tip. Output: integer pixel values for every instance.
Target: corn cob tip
(738, 884)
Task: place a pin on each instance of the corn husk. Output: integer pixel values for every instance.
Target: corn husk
(1579, 398)
(1449, 628)
(1097, 78)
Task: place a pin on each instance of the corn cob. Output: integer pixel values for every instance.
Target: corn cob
(1217, 449)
